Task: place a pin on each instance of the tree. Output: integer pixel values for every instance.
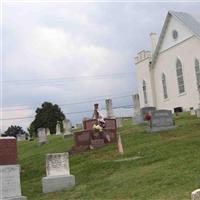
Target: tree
(47, 117)
(14, 131)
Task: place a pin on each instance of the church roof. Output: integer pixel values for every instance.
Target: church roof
(191, 22)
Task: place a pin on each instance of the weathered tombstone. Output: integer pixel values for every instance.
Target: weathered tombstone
(58, 129)
(21, 137)
(58, 173)
(79, 126)
(195, 195)
(10, 187)
(161, 120)
(192, 112)
(137, 118)
(198, 112)
(42, 136)
(47, 131)
(109, 108)
(67, 127)
(119, 122)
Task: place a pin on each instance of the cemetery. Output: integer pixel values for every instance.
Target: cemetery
(62, 55)
(147, 164)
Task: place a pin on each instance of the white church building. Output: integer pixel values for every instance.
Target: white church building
(169, 75)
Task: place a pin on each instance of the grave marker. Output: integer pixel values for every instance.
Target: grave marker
(10, 187)
(67, 127)
(58, 173)
(42, 136)
(195, 195)
(161, 120)
(58, 129)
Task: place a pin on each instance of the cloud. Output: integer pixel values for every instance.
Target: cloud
(54, 40)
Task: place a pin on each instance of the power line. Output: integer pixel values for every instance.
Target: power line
(69, 113)
(75, 78)
(68, 104)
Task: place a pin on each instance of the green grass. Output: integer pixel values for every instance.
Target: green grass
(169, 167)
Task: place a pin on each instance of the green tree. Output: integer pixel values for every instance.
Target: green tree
(14, 131)
(47, 117)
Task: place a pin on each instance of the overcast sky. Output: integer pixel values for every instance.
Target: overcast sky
(73, 52)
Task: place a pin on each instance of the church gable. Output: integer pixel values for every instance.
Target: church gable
(175, 33)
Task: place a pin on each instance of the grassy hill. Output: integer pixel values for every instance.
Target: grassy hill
(168, 167)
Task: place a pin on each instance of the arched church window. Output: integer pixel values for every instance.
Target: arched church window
(164, 86)
(144, 87)
(197, 70)
(179, 73)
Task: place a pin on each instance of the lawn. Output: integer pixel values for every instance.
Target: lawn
(167, 168)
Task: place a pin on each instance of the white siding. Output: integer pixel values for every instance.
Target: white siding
(186, 51)
(143, 73)
(183, 33)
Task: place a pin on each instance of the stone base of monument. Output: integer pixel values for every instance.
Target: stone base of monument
(157, 129)
(66, 134)
(16, 198)
(57, 183)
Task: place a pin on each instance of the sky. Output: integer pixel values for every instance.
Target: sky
(74, 54)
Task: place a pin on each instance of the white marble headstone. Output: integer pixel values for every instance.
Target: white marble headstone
(58, 131)
(67, 127)
(109, 108)
(47, 131)
(10, 181)
(42, 136)
(21, 137)
(195, 195)
(57, 164)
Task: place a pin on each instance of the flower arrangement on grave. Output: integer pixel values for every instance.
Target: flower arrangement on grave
(147, 117)
(97, 129)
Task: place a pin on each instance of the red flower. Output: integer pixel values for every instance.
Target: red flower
(147, 117)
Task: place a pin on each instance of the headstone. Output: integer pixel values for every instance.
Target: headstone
(83, 138)
(198, 112)
(67, 127)
(88, 124)
(110, 123)
(21, 137)
(192, 112)
(137, 117)
(195, 195)
(8, 151)
(79, 126)
(109, 108)
(147, 110)
(58, 173)
(42, 136)
(58, 130)
(119, 122)
(161, 120)
(10, 188)
(47, 130)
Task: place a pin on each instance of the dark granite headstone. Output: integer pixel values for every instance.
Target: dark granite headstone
(83, 138)
(88, 124)
(161, 120)
(110, 124)
(8, 151)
